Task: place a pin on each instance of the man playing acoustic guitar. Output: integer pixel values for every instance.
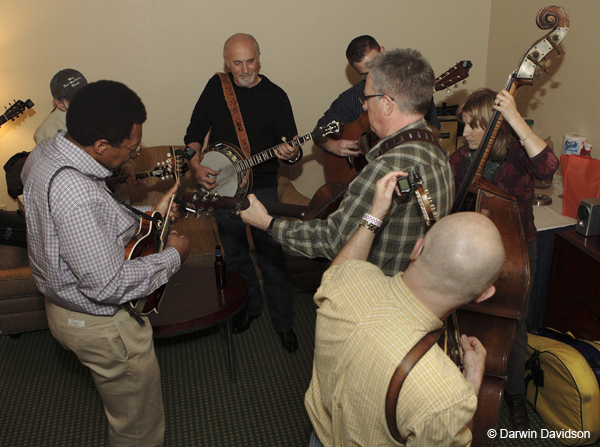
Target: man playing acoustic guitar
(347, 107)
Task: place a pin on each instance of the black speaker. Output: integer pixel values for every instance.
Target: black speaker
(588, 217)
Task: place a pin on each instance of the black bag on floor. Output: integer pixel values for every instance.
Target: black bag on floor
(13, 230)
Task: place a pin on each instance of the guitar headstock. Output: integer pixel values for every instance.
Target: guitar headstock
(205, 203)
(424, 199)
(15, 110)
(453, 76)
(333, 128)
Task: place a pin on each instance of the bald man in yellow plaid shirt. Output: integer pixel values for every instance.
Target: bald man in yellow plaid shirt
(367, 322)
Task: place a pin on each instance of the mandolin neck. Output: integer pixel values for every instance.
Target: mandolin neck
(111, 181)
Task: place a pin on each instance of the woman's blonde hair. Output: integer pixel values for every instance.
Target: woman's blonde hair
(479, 107)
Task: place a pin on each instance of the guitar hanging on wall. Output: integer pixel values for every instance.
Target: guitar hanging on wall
(15, 110)
(344, 169)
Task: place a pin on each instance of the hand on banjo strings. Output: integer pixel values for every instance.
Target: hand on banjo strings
(286, 152)
(206, 177)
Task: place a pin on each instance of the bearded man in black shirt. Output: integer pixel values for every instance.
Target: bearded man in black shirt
(267, 115)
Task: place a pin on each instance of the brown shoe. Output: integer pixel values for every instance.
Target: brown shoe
(517, 411)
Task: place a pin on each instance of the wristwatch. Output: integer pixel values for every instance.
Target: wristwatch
(270, 227)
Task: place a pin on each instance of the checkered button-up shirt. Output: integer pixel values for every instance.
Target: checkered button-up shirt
(404, 223)
(366, 324)
(77, 235)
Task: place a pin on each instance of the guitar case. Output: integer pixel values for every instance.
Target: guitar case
(563, 384)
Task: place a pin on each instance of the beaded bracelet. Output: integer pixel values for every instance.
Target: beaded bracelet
(372, 220)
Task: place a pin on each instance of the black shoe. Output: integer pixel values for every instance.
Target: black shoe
(289, 340)
(243, 322)
(517, 411)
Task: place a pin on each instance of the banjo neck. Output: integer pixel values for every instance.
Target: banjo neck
(261, 157)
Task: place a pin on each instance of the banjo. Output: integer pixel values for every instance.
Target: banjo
(235, 168)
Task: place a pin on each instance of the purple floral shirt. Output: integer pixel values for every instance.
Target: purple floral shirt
(516, 176)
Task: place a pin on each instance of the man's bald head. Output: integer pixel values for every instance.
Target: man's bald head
(462, 256)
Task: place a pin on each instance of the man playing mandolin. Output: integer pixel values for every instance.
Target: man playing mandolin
(367, 322)
(397, 96)
(77, 233)
(267, 117)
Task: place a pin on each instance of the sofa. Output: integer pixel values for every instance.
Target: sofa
(22, 306)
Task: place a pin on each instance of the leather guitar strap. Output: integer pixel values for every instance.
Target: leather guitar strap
(236, 115)
(423, 135)
(402, 371)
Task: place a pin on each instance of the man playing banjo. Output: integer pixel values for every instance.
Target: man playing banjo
(266, 118)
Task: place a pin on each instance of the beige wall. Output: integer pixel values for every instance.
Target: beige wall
(566, 99)
(167, 50)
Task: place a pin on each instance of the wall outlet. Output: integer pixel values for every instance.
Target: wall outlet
(3, 207)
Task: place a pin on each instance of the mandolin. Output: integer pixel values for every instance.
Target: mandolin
(152, 238)
(344, 169)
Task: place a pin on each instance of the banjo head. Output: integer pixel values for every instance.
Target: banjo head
(225, 158)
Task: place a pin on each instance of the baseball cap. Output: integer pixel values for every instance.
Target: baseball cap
(66, 82)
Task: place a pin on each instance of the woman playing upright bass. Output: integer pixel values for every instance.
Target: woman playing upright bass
(517, 158)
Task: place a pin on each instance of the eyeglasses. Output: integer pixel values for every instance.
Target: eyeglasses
(134, 152)
(365, 98)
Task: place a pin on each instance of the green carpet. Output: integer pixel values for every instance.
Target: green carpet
(48, 399)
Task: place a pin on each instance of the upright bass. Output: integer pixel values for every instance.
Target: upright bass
(494, 321)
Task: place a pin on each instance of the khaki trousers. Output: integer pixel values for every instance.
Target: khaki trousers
(120, 354)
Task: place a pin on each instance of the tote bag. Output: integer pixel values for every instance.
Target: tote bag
(581, 176)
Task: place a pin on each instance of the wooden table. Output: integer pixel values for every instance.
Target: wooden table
(574, 295)
(192, 302)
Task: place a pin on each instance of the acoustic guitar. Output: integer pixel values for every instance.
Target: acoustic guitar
(344, 169)
(325, 201)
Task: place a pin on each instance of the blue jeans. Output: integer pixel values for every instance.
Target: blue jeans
(269, 255)
(314, 440)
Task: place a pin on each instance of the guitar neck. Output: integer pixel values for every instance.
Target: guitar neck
(210, 202)
(265, 155)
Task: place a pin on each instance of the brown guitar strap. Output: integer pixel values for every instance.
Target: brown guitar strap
(402, 371)
(423, 135)
(236, 115)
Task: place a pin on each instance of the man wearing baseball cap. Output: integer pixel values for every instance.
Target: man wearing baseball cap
(63, 86)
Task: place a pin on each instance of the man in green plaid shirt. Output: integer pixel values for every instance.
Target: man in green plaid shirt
(397, 95)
